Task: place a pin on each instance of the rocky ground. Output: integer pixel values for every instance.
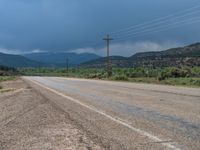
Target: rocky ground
(28, 120)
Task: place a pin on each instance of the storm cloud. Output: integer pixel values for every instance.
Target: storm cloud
(66, 25)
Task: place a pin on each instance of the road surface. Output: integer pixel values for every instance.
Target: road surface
(128, 115)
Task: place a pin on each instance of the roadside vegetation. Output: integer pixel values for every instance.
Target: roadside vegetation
(6, 74)
(7, 78)
(8, 71)
(171, 75)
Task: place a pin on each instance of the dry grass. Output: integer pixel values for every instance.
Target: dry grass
(6, 90)
(7, 78)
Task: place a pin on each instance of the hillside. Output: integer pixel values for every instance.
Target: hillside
(101, 62)
(187, 56)
(59, 58)
(45, 59)
(18, 61)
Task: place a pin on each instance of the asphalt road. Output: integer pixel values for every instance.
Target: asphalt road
(128, 115)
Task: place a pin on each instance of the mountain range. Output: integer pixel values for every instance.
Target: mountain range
(47, 59)
(18, 61)
(182, 56)
(59, 59)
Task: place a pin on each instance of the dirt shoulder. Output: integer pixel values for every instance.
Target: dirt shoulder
(29, 121)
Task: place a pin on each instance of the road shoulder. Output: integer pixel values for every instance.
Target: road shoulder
(29, 121)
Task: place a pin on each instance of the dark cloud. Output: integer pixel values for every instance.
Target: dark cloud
(57, 25)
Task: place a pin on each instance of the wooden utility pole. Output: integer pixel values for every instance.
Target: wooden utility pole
(109, 69)
(67, 66)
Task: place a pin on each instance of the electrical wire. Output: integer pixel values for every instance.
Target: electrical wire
(156, 24)
(176, 15)
(175, 25)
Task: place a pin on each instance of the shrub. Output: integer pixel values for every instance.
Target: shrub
(195, 82)
(174, 73)
(163, 75)
(95, 75)
(120, 78)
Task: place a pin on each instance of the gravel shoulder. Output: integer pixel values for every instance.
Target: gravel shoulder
(28, 120)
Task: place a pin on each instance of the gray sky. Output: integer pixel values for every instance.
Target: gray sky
(79, 25)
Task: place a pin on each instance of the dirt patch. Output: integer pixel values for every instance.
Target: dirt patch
(30, 121)
(17, 84)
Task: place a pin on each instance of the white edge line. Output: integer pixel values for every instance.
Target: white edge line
(117, 120)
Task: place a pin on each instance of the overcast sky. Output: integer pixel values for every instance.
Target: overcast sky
(79, 25)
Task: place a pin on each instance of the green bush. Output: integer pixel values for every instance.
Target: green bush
(195, 82)
(195, 72)
(120, 78)
(174, 72)
(95, 76)
(161, 77)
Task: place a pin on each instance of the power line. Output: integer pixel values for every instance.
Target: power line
(178, 24)
(156, 28)
(155, 20)
(155, 24)
(149, 27)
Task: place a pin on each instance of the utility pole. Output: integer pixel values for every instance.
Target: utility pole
(67, 66)
(109, 69)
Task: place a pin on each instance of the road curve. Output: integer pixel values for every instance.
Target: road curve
(128, 115)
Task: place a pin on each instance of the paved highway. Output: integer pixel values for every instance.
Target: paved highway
(128, 115)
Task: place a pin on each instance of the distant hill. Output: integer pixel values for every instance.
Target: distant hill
(187, 56)
(59, 58)
(45, 59)
(18, 61)
(118, 61)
